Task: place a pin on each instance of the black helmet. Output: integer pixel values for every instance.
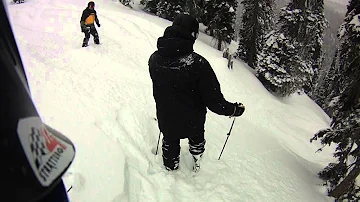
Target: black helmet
(187, 22)
(91, 4)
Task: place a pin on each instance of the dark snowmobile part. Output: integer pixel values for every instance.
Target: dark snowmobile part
(20, 181)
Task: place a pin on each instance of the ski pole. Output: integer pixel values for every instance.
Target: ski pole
(228, 135)
(157, 146)
(69, 189)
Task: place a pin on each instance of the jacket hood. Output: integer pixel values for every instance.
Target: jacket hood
(176, 42)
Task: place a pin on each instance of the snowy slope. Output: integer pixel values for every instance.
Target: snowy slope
(101, 98)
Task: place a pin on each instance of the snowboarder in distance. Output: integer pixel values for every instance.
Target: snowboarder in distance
(87, 20)
(184, 85)
(229, 57)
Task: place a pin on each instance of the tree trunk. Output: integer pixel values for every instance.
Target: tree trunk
(343, 187)
(219, 44)
(191, 8)
(252, 52)
(211, 32)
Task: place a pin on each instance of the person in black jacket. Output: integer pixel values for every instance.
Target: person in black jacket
(87, 20)
(184, 84)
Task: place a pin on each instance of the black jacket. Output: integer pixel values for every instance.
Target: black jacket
(184, 84)
(88, 17)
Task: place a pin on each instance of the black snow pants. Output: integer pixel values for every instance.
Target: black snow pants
(91, 30)
(171, 149)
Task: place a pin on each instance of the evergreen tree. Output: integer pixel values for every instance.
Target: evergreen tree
(315, 26)
(257, 21)
(169, 9)
(150, 5)
(304, 21)
(345, 125)
(293, 20)
(279, 64)
(195, 8)
(222, 24)
(125, 2)
(208, 15)
(327, 87)
(328, 91)
(283, 50)
(294, 25)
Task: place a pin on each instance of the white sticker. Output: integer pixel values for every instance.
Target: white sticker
(48, 155)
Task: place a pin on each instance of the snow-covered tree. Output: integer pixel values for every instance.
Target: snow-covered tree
(169, 9)
(257, 21)
(195, 8)
(293, 20)
(150, 5)
(125, 2)
(294, 25)
(284, 50)
(327, 90)
(222, 24)
(279, 66)
(345, 125)
(208, 15)
(313, 40)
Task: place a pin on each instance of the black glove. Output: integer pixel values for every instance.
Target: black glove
(98, 24)
(238, 110)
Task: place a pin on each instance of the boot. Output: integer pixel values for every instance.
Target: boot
(96, 41)
(85, 42)
(172, 169)
(197, 159)
(171, 165)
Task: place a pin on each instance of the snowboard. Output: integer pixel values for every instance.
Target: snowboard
(86, 45)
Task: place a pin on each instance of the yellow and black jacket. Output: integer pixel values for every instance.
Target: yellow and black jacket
(88, 17)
